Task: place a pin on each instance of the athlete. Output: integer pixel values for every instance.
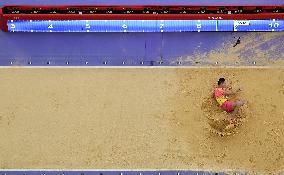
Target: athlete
(221, 94)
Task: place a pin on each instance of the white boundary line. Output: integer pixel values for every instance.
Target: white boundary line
(138, 67)
(118, 170)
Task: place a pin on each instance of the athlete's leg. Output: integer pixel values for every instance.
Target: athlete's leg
(237, 106)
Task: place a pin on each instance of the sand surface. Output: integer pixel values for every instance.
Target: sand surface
(137, 119)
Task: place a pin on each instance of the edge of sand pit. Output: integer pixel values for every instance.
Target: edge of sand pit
(139, 67)
(121, 171)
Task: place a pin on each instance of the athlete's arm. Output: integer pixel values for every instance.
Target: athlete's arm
(231, 92)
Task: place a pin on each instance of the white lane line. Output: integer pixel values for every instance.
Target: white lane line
(137, 67)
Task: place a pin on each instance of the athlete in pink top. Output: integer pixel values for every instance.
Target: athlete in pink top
(221, 93)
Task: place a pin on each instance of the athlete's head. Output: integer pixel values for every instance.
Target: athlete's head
(221, 82)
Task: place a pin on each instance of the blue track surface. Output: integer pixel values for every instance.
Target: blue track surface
(114, 49)
(129, 49)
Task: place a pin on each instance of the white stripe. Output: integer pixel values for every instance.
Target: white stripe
(137, 67)
(179, 170)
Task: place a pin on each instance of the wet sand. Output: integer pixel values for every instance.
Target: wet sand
(137, 119)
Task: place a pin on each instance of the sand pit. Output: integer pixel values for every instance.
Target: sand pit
(138, 118)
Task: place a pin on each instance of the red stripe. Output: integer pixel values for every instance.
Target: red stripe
(23, 7)
(1, 20)
(142, 16)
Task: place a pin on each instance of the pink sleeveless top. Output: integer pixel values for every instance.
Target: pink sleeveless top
(219, 95)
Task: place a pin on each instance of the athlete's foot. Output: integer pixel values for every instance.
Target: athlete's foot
(234, 114)
(240, 103)
(230, 126)
(232, 120)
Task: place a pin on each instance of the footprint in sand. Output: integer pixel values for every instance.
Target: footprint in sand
(219, 120)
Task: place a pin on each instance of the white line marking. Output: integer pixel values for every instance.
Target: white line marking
(96, 170)
(138, 67)
(107, 170)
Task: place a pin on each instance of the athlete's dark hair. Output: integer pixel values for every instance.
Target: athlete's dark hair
(221, 80)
